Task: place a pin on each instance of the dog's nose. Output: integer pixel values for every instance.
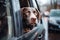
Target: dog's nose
(33, 19)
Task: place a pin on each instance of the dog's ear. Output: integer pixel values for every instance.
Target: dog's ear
(23, 12)
(23, 9)
(39, 16)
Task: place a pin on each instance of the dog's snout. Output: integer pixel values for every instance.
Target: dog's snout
(33, 19)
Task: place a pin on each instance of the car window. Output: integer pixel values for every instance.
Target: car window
(43, 4)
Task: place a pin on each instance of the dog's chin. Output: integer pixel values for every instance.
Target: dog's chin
(33, 24)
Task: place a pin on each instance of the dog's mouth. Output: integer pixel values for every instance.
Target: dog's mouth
(29, 24)
(32, 24)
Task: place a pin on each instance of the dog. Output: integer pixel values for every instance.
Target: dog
(30, 17)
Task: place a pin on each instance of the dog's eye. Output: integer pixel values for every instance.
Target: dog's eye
(28, 13)
(34, 11)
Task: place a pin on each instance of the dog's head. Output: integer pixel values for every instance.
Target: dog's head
(31, 16)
